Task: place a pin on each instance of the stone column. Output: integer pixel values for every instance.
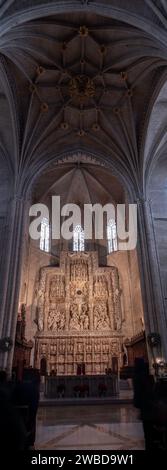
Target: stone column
(4, 229)
(12, 263)
(154, 310)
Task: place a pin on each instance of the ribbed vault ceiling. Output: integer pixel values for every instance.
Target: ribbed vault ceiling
(79, 82)
(81, 182)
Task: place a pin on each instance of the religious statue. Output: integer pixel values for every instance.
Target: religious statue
(84, 319)
(74, 317)
(40, 305)
(62, 321)
(101, 318)
(117, 317)
(53, 289)
(86, 322)
(56, 320)
(51, 319)
(56, 288)
(39, 319)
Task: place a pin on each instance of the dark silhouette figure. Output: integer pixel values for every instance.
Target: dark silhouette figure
(13, 434)
(143, 398)
(159, 413)
(151, 399)
(26, 399)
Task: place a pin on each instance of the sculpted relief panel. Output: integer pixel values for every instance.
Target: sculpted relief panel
(57, 288)
(101, 316)
(78, 300)
(56, 319)
(79, 317)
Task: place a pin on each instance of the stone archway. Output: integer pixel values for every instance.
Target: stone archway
(117, 147)
(85, 160)
(21, 234)
(153, 17)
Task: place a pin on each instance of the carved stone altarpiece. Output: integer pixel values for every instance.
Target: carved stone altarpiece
(78, 315)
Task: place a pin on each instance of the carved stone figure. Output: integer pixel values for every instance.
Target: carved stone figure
(43, 348)
(97, 347)
(117, 316)
(100, 286)
(40, 321)
(70, 347)
(56, 288)
(62, 321)
(53, 290)
(86, 322)
(56, 320)
(40, 301)
(51, 319)
(74, 317)
(101, 318)
(84, 319)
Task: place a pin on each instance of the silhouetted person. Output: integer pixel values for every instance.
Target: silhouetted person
(159, 413)
(13, 435)
(144, 397)
(3, 377)
(26, 393)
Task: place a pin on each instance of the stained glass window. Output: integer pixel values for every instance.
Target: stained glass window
(44, 238)
(78, 239)
(112, 236)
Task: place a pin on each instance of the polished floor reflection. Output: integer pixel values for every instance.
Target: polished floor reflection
(89, 427)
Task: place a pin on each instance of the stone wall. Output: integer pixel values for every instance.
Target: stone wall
(158, 199)
(127, 265)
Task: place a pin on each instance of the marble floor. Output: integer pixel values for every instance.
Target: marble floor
(91, 427)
